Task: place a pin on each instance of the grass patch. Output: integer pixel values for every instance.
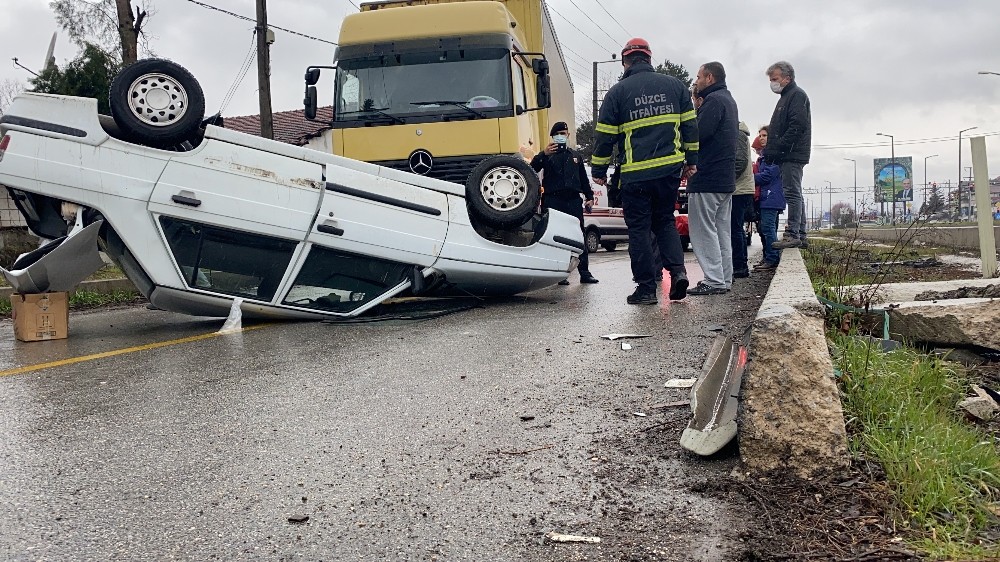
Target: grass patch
(945, 474)
(82, 300)
(109, 271)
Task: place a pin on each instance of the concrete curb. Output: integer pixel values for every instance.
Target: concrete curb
(790, 414)
(101, 286)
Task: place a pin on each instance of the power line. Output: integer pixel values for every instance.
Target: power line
(599, 46)
(241, 73)
(613, 40)
(902, 142)
(613, 18)
(355, 5)
(254, 20)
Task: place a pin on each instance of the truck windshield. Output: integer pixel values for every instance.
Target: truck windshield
(425, 86)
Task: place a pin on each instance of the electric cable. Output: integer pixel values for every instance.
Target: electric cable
(242, 17)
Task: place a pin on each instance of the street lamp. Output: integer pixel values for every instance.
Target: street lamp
(925, 177)
(892, 142)
(856, 217)
(829, 189)
(614, 58)
(960, 170)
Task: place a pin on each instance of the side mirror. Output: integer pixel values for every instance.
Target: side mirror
(312, 76)
(310, 101)
(540, 67)
(543, 91)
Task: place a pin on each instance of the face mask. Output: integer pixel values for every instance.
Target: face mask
(560, 139)
(776, 87)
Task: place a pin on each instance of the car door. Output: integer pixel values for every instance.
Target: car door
(234, 218)
(369, 237)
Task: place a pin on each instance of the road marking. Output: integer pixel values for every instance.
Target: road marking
(102, 355)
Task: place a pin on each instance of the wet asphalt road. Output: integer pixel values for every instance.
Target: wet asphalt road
(466, 437)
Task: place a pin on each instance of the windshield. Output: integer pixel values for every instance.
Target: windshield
(425, 86)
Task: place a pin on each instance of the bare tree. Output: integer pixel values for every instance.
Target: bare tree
(8, 91)
(111, 25)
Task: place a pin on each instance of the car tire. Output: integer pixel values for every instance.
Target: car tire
(592, 239)
(157, 103)
(502, 192)
(686, 243)
(610, 246)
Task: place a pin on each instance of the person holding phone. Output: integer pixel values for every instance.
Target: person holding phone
(564, 180)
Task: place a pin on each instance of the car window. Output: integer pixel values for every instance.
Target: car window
(340, 282)
(228, 261)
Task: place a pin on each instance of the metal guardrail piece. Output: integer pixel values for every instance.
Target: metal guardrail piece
(715, 398)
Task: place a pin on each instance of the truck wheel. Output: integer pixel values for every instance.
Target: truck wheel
(502, 191)
(610, 246)
(157, 102)
(592, 239)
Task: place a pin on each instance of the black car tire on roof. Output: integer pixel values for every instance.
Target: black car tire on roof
(157, 102)
(502, 191)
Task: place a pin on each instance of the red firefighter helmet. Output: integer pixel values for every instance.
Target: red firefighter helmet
(637, 44)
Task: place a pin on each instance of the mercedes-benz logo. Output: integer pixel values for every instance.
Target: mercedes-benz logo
(421, 162)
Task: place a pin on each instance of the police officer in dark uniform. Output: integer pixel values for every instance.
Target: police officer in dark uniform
(564, 179)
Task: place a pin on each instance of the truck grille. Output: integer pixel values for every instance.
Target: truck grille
(456, 169)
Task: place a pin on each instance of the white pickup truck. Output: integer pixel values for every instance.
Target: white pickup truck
(197, 216)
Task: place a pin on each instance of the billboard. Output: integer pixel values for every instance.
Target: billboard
(893, 174)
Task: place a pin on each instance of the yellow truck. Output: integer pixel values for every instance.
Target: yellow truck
(459, 90)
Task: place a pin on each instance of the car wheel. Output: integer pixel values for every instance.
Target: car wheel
(686, 243)
(157, 102)
(502, 191)
(593, 240)
(610, 246)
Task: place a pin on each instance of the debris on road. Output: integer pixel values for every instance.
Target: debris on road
(527, 418)
(680, 383)
(526, 452)
(613, 337)
(716, 328)
(639, 414)
(626, 347)
(298, 518)
(674, 404)
(559, 537)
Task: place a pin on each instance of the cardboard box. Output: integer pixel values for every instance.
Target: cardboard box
(39, 317)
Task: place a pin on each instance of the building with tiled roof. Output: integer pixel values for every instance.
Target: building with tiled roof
(290, 127)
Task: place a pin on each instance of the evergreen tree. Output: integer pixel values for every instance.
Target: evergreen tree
(676, 70)
(89, 75)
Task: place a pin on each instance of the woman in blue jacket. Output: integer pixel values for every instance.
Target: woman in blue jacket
(772, 203)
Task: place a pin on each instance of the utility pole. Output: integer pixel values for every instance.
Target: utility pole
(892, 142)
(614, 58)
(264, 39)
(960, 170)
(857, 218)
(925, 177)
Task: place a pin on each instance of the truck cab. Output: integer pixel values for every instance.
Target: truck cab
(438, 88)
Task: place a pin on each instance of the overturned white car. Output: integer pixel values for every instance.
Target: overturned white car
(197, 215)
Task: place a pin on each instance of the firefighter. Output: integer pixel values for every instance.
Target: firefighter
(643, 114)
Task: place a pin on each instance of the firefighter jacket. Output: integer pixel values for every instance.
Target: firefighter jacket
(789, 137)
(563, 172)
(652, 120)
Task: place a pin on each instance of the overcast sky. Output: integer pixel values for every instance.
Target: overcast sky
(902, 67)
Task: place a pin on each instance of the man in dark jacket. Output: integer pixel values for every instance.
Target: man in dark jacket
(564, 179)
(788, 145)
(644, 114)
(710, 191)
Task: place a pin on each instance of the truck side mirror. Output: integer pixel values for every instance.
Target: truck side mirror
(310, 101)
(312, 76)
(540, 67)
(543, 91)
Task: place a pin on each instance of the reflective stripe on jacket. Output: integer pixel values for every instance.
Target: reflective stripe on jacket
(651, 119)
